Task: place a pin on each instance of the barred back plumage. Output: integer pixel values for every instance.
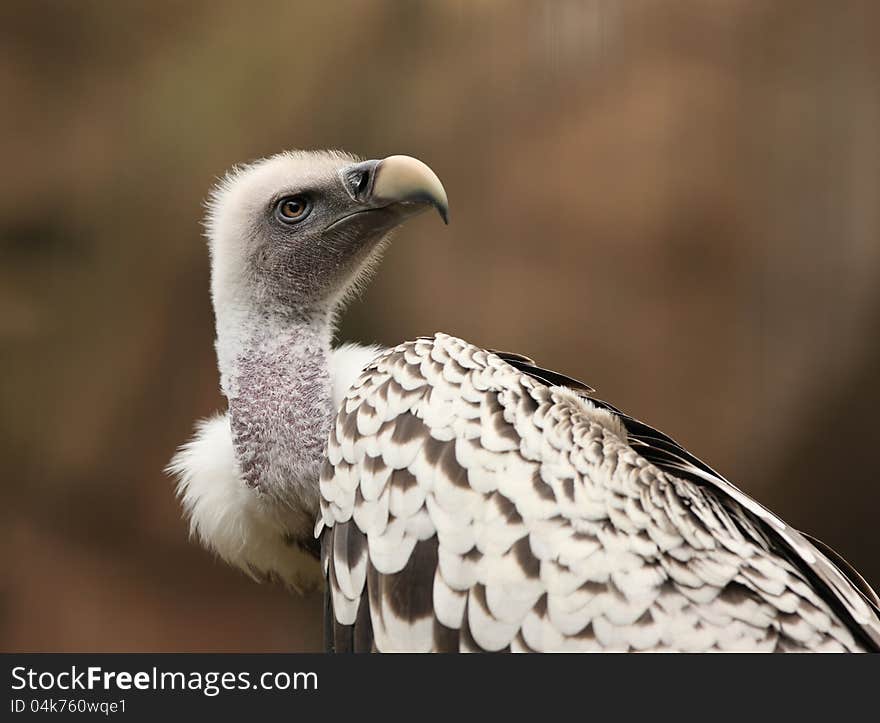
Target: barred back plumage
(470, 505)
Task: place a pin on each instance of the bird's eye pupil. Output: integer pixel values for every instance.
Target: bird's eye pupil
(292, 208)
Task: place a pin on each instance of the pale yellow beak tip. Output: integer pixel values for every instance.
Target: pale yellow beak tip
(404, 178)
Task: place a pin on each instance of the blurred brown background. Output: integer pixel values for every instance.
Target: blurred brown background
(677, 201)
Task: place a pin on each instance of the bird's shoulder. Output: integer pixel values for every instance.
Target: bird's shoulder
(531, 515)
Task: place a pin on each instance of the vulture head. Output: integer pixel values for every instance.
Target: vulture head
(296, 230)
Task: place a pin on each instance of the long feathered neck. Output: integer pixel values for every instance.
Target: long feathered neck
(275, 373)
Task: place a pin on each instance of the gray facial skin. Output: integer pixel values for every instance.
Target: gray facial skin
(303, 264)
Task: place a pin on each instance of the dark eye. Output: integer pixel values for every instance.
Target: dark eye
(291, 209)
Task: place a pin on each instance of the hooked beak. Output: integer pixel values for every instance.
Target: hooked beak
(396, 181)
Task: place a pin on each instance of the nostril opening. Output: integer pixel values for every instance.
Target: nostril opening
(362, 182)
(358, 179)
